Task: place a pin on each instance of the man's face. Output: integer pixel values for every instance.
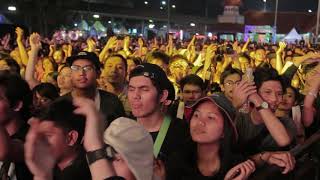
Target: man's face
(115, 70)
(191, 93)
(84, 74)
(229, 84)
(271, 92)
(142, 96)
(56, 137)
(260, 55)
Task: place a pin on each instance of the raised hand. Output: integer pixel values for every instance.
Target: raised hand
(38, 153)
(35, 42)
(91, 45)
(241, 92)
(140, 42)
(19, 33)
(126, 43)
(282, 46)
(192, 42)
(211, 51)
(95, 125)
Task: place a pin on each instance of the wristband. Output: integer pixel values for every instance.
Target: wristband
(93, 156)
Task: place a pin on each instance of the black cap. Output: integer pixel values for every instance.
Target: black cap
(90, 56)
(155, 73)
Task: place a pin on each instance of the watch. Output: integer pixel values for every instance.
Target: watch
(263, 105)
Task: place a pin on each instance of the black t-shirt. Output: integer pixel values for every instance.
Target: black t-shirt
(78, 170)
(178, 135)
(21, 169)
(110, 106)
(183, 166)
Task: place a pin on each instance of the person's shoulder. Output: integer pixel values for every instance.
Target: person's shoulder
(21, 133)
(178, 123)
(106, 94)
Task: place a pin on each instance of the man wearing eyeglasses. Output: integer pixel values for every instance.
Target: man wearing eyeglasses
(85, 70)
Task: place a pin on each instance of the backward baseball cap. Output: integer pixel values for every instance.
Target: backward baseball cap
(155, 73)
(134, 144)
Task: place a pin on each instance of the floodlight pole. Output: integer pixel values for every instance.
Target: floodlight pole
(275, 22)
(169, 8)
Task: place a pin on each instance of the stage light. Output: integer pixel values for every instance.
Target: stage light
(12, 8)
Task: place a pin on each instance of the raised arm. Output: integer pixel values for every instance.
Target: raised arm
(309, 111)
(279, 64)
(30, 69)
(273, 124)
(93, 140)
(22, 49)
(110, 43)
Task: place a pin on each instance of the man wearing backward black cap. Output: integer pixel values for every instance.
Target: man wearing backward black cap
(149, 91)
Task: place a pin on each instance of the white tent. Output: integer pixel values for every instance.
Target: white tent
(292, 36)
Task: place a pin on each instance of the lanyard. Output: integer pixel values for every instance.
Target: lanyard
(161, 135)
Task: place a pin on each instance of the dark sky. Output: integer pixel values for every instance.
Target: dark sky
(196, 7)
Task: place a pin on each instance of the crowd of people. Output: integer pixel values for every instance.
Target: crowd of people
(135, 109)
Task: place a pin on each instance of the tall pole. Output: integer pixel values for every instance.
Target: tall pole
(317, 26)
(169, 8)
(275, 22)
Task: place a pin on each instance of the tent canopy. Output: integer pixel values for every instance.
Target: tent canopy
(292, 36)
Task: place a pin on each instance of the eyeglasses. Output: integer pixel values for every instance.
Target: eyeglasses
(76, 68)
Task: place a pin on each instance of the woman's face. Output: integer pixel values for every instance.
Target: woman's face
(47, 65)
(58, 56)
(288, 100)
(206, 125)
(40, 102)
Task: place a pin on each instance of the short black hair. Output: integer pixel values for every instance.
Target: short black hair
(123, 59)
(61, 113)
(265, 73)
(16, 90)
(160, 55)
(13, 65)
(194, 80)
(229, 71)
(47, 90)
